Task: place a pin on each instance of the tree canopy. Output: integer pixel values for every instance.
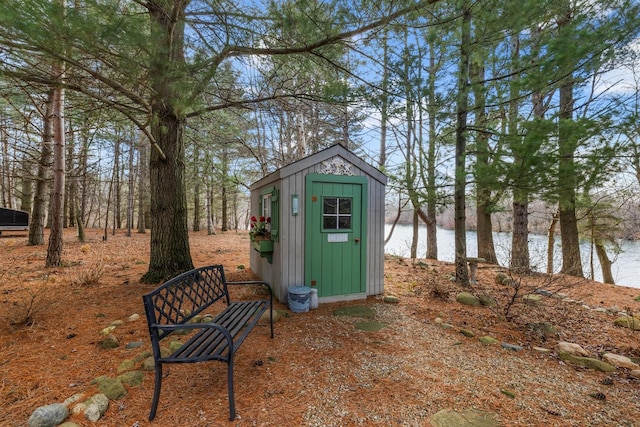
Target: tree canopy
(213, 87)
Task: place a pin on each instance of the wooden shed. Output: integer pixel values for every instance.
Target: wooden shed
(326, 226)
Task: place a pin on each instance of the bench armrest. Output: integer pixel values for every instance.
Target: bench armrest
(256, 282)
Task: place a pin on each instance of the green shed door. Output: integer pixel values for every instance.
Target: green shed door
(335, 241)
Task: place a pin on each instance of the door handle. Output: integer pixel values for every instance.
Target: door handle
(357, 240)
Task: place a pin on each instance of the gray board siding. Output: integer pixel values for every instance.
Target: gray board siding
(375, 238)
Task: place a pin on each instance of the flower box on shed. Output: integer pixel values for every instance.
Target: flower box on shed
(264, 247)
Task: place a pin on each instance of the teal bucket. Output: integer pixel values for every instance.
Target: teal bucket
(299, 298)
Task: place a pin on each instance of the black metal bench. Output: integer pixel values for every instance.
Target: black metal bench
(173, 306)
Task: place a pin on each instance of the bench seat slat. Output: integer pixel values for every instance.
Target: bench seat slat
(210, 343)
(245, 319)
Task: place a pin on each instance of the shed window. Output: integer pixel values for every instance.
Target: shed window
(269, 209)
(336, 213)
(266, 207)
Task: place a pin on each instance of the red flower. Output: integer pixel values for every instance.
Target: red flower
(259, 228)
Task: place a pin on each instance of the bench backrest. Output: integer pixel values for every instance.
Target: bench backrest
(183, 297)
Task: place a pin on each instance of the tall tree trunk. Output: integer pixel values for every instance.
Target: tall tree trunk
(605, 262)
(520, 261)
(115, 181)
(81, 234)
(345, 124)
(143, 176)
(432, 193)
(54, 250)
(384, 108)
(415, 235)
(114, 188)
(196, 206)
(212, 208)
(224, 198)
(132, 180)
(419, 144)
(520, 241)
(73, 194)
(7, 185)
(38, 216)
(170, 253)
(410, 169)
(551, 241)
(484, 205)
(105, 236)
(571, 260)
(300, 130)
(224, 212)
(26, 185)
(210, 229)
(196, 189)
(460, 225)
(234, 208)
(66, 208)
(50, 194)
(635, 157)
(71, 190)
(83, 213)
(484, 224)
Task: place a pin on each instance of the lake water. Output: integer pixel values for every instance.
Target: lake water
(625, 268)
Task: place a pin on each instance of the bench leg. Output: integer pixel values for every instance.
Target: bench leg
(232, 404)
(271, 318)
(156, 391)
